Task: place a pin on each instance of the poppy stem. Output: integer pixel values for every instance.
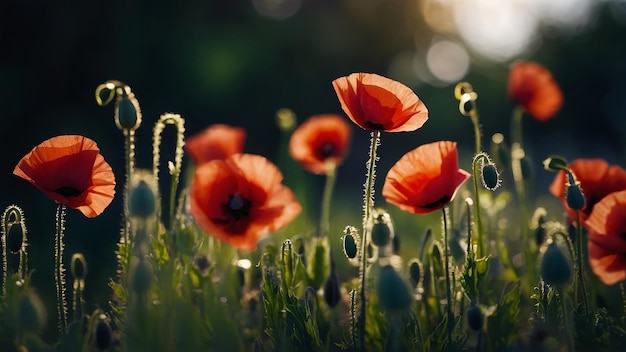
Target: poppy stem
(517, 154)
(59, 270)
(479, 224)
(367, 209)
(579, 259)
(324, 227)
(568, 331)
(446, 253)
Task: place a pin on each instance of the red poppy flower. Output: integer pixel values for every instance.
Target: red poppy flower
(320, 142)
(532, 86)
(606, 228)
(597, 179)
(378, 103)
(216, 142)
(425, 179)
(71, 171)
(241, 198)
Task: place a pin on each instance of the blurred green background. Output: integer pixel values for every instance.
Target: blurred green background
(238, 62)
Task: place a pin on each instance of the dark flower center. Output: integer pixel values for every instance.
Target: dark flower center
(237, 207)
(66, 191)
(438, 203)
(375, 126)
(326, 150)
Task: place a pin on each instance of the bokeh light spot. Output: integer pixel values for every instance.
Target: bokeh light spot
(447, 61)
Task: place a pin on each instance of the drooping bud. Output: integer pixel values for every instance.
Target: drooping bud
(573, 193)
(382, 230)
(332, 290)
(556, 268)
(350, 247)
(78, 266)
(393, 292)
(104, 335)
(490, 176)
(538, 221)
(555, 163)
(127, 111)
(526, 168)
(319, 268)
(500, 151)
(475, 317)
(15, 237)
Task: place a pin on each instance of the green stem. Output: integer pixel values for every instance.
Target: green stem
(59, 270)
(568, 332)
(477, 133)
(130, 165)
(450, 319)
(579, 259)
(324, 226)
(479, 223)
(369, 204)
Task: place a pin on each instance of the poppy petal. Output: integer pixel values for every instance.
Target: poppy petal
(216, 142)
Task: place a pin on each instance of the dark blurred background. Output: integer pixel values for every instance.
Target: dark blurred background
(238, 62)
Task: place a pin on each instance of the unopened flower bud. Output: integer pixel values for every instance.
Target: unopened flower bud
(318, 268)
(141, 278)
(15, 237)
(415, 271)
(31, 313)
(142, 200)
(556, 268)
(490, 176)
(350, 248)
(127, 112)
(382, 231)
(393, 292)
(555, 163)
(573, 193)
(526, 168)
(202, 263)
(103, 333)
(78, 266)
(500, 151)
(332, 290)
(475, 317)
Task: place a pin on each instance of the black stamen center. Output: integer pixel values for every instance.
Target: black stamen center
(375, 126)
(439, 202)
(326, 150)
(237, 207)
(68, 191)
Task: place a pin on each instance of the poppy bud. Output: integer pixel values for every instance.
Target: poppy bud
(15, 237)
(287, 262)
(393, 293)
(538, 221)
(105, 93)
(475, 317)
(395, 244)
(103, 333)
(332, 291)
(141, 279)
(350, 248)
(490, 176)
(31, 313)
(573, 193)
(127, 112)
(555, 163)
(415, 271)
(318, 266)
(382, 231)
(142, 200)
(78, 266)
(556, 268)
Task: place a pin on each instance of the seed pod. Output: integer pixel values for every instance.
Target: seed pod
(556, 268)
(393, 293)
(475, 317)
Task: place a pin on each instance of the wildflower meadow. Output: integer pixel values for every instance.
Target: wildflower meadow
(215, 267)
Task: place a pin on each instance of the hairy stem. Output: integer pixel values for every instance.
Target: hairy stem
(59, 270)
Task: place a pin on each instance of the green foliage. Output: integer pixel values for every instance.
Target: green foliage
(503, 325)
